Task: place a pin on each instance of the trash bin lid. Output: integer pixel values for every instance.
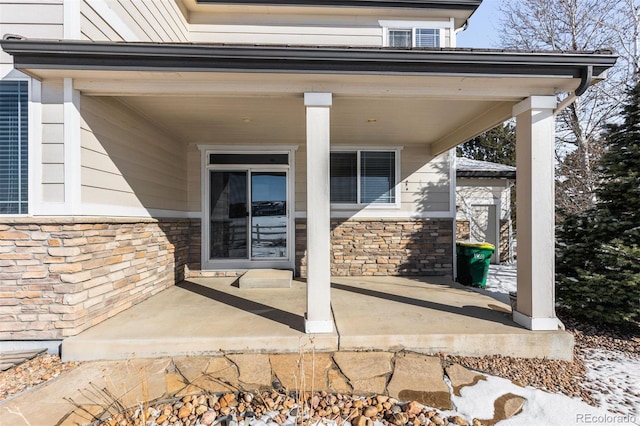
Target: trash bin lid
(476, 245)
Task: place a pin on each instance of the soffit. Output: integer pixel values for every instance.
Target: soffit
(255, 108)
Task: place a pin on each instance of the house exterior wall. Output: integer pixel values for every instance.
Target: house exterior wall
(128, 20)
(424, 182)
(131, 20)
(60, 276)
(128, 161)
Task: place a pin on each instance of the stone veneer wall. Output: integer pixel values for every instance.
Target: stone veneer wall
(505, 227)
(463, 233)
(364, 247)
(463, 230)
(60, 276)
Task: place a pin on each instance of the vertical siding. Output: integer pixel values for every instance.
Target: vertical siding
(133, 20)
(52, 141)
(128, 161)
(30, 18)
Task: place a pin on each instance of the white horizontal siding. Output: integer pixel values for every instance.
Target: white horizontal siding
(31, 19)
(133, 20)
(425, 181)
(52, 141)
(129, 161)
(276, 34)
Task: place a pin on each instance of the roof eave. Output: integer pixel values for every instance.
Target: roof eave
(486, 174)
(401, 4)
(57, 54)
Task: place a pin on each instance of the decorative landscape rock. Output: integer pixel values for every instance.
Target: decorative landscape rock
(224, 371)
(420, 378)
(461, 377)
(504, 407)
(366, 371)
(254, 370)
(337, 382)
(297, 372)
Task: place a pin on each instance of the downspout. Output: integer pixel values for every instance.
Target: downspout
(454, 37)
(585, 82)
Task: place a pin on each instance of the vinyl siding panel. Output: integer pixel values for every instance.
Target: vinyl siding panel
(52, 141)
(424, 182)
(129, 161)
(133, 20)
(32, 19)
(279, 34)
(194, 167)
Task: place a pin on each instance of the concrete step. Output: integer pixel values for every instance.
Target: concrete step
(266, 278)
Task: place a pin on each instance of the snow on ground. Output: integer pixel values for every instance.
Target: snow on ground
(614, 380)
(540, 409)
(612, 376)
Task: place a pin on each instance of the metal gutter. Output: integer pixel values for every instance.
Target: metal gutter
(87, 55)
(404, 4)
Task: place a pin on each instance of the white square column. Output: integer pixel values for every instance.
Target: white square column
(535, 138)
(318, 318)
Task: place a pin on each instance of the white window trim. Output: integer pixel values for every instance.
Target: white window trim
(369, 206)
(413, 25)
(237, 264)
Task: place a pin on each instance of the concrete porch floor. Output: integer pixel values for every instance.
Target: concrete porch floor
(212, 316)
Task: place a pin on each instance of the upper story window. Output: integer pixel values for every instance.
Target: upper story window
(14, 162)
(417, 33)
(415, 37)
(363, 177)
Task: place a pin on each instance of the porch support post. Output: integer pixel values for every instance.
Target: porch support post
(318, 318)
(535, 137)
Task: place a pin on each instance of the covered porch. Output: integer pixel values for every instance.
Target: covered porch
(215, 316)
(142, 124)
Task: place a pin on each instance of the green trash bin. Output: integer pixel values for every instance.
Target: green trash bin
(473, 263)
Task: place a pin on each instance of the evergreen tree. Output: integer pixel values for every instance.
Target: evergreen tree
(497, 145)
(598, 253)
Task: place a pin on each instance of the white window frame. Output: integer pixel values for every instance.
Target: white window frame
(396, 187)
(30, 146)
(413, 26)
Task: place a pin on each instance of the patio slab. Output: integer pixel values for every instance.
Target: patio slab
(206, 316)
(431, 315)
(213, 316)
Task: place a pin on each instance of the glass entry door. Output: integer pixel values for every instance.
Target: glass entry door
(229, 215)
(248, 215)
(268, 215)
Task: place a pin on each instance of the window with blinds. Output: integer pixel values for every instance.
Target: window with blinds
(427, 37)
(13, 147)
(400, 38)
(363, 177)
(414, 37)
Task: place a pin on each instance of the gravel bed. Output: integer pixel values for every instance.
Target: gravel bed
(32, 373)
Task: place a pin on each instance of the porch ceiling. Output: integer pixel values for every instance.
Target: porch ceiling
(262, 108)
